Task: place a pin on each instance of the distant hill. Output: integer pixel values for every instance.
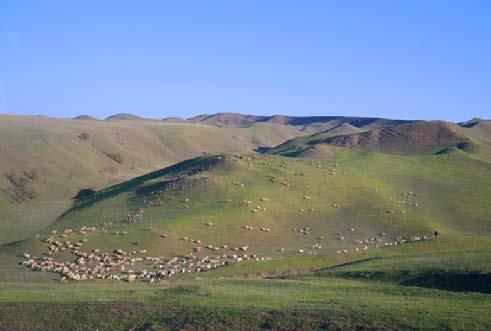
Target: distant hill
(227, 119)
(174, 120)
(473, 122)
(402, 139)
(406, 138)
(125, 116)
(479, 131)
(307, 124)
(85, 117)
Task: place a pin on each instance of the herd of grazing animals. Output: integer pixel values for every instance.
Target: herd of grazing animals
(135, 265)
(127, 266)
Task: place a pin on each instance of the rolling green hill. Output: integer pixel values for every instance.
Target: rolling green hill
(434, 137)
(278, 207)
(305, 224)
(45, 161)
(254, 241)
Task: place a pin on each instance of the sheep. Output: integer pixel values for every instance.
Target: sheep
(209, 223)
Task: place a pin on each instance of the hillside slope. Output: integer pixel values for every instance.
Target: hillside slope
(45, 161)
(307, 124)
(402, 139)
(277, 207)
(480, 132)
(405, 139)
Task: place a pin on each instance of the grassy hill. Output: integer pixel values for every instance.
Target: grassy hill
(309, 278)
(46, 161)
(307, 124)
(369, 194)
(404, 139)
(342, 239)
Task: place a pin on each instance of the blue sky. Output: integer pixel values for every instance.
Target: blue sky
(397, 59)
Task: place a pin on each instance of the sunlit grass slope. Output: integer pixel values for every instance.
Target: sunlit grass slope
(310, 282)
(343, 201)
(45, 161)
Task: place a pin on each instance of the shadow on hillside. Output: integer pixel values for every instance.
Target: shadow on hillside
(262, 149)
(457, 282)
(86, 197)
(472, 281)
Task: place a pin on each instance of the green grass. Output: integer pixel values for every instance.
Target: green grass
(458, 270)
(440, 284)
(450, 190)
(65, 163)
(452, 198)
(343, 303)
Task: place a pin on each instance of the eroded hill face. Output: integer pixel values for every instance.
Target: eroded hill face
(418, 137)
(404, 139)
(307, 124)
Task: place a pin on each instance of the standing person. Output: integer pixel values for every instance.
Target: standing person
(435, 234)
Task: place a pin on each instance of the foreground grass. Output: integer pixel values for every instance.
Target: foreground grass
(380, 288)
(353, 292)
(338, 302)
(468, 270)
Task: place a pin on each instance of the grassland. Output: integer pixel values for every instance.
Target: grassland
(45, 161)
(425, 284)
(335, 297)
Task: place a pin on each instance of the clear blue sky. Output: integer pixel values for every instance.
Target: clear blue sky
(399, 59)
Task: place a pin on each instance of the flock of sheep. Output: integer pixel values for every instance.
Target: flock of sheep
(123, 265)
